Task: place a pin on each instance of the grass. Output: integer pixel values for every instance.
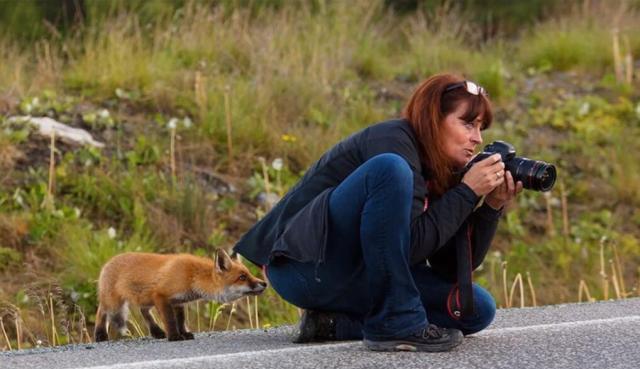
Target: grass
(247, 85)
(562, 46)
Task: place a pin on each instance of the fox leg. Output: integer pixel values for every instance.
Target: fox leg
(154, 328)
(182, 326)
(168, 317)
(119, 320)
(100, 333)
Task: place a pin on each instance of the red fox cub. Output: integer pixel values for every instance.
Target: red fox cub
(167, 282)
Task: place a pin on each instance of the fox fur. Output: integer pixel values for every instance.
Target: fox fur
(167, 282)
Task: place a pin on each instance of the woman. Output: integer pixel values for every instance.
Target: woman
(379, 239)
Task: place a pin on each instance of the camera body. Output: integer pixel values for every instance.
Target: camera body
(535, 175)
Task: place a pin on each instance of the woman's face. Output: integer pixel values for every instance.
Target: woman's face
(461, 137)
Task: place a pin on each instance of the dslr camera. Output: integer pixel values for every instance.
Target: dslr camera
(535, 175)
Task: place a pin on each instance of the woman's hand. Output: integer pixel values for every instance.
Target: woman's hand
(504, 193)
(485, 175)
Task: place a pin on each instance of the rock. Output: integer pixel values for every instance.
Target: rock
(66, 133)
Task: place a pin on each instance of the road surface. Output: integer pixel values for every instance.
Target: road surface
(603, 335)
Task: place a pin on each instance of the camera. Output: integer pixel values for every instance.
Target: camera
(535, 175)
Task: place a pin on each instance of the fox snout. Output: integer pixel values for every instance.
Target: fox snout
(257, 287)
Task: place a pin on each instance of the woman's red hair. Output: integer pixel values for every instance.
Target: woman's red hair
(426, 110)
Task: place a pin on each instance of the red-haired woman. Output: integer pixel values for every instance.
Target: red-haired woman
(379, 239)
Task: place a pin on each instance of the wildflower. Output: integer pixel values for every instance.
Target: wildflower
(584, 109)
(121, 93)
(187, 122)
(277, 164)
(104, 114)
(289, 138)
(173, 123)
(111, 232)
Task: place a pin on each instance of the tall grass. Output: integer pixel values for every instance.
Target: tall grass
(287, 80)
(581, 40)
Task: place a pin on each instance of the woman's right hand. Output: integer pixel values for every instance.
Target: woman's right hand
(485, 175)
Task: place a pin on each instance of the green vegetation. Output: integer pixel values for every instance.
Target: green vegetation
(211, 110)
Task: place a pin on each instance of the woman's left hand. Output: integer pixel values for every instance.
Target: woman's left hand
(504, 193)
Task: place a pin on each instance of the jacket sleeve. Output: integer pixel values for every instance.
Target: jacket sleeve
(435, 227)
(485, 223)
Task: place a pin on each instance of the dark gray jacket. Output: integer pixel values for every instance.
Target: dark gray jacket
(297, 227)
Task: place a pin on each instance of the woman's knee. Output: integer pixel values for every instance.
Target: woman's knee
(485, 311)
(391, 168)
(290, 283)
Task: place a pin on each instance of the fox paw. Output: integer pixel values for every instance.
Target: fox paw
(187, 335)
(175, 337)
(158, 333)
(101, 335)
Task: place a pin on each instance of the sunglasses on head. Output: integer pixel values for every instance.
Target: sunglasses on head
(471, 88)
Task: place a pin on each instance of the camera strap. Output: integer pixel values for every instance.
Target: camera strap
(465, 269)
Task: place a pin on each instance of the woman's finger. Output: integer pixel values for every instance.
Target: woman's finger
(511, 187)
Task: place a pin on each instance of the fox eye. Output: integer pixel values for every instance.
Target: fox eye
(243, 277)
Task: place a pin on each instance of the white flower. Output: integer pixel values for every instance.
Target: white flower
(638, 110)
(173, 123)
(277, 164)
(584, 108)
(35, 101)
(111, 232)
(187, 122)
(104, 114)
(38, 343)
(77, 212)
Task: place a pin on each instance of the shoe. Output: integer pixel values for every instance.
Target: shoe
(430, 339)
(316, 326)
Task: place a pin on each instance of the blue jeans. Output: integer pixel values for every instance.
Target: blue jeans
(366, 274)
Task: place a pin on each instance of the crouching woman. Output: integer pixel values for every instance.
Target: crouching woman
(379, 239)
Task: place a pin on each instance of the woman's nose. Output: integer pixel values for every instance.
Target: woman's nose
(476, 136)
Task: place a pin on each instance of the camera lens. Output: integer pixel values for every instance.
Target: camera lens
(534, 174)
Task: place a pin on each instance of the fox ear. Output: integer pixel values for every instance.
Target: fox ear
(235, 256)
(222, 261)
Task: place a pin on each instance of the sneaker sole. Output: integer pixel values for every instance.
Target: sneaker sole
(399, 345)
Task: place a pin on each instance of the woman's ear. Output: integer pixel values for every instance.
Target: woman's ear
(222, 261)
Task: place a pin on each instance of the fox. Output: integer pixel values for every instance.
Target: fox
(167, 282)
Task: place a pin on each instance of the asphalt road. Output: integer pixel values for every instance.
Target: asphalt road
(604, 335)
